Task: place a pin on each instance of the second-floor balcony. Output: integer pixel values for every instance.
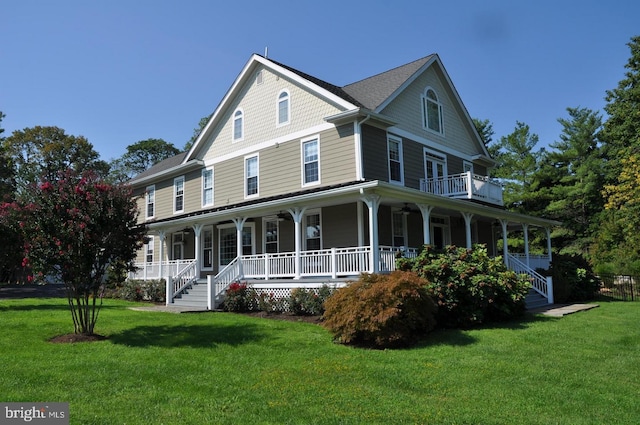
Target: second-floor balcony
(465, 186)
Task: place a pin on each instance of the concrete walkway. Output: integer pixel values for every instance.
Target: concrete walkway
(169, 309)
(560, 310)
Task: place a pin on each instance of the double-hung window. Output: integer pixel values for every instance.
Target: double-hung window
(150, 200)
(395, 160)
(284, 109)
(432, 111)
(149, 250)
(310, 162)
(207, 187)
(251, 176)
(178, 194)
(313, 232)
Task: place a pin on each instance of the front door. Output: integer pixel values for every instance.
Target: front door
(440, 234)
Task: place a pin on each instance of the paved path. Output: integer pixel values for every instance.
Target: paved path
(560, 310)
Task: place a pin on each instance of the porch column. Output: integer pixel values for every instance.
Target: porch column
(525, 230)
(360, 223)
(239, 222)
(373, 203)
(548, 231)
(297, 214)
(426, 222)
(467, 227)
(197, 230)
(163, 236)
(505, 245)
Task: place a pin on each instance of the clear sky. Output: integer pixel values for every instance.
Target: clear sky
(121, 71)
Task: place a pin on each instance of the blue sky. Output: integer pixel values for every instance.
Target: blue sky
(121, 71)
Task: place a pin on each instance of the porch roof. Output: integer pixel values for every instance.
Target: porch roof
(348, 192)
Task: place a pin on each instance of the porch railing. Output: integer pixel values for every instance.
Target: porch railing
(541, 284)
(465, 186)
(151, 270)
(535, 261)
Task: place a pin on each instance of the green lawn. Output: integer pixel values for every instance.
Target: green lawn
(218, 368)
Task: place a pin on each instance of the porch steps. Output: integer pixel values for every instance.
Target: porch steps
(535, 300)
(195, 296)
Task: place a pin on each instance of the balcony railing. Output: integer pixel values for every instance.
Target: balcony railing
(465, 186)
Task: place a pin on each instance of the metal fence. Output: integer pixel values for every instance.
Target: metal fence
(620, 287)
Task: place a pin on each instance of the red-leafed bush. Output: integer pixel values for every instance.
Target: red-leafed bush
(381, 311)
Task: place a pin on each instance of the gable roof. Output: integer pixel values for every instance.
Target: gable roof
(163, 166)
(373, 91)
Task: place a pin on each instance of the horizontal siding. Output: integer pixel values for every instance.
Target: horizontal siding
(374, 153)
(340, 226)
(406, 110)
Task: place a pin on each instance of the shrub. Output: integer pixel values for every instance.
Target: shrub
(237, 298)
(267, 302)
(573, 279)
(141, 290)
(380, 311)
(469, 286)
(308, 302)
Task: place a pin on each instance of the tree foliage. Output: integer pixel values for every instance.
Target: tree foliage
(74, 227)
(141, 156)
(196, 131)
(39, 153)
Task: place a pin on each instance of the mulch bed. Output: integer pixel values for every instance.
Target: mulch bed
(72, 338)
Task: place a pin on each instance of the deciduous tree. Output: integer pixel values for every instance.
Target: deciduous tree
(74, 227)
(141, 156)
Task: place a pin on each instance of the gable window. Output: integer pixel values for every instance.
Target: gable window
(207, 187)
(283, 108)
(432, 111)
(178, 194)
(395, 160)
(251, 176)
(150, 200)
(310, 162)
(313, 232)
(149, 250)
(238, 125)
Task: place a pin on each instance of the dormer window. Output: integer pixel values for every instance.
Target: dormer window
(432, 111)
(283, 108)
(238, 125)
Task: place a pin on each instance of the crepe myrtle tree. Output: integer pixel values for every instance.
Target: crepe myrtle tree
(74, 227)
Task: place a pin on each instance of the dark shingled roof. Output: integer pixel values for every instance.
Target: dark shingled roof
(161, 166)
(373, 91)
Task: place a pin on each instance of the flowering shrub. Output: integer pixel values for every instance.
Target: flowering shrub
(469, 286)
(308, 302)
(141, 290)
(236, 298)
(381, 310)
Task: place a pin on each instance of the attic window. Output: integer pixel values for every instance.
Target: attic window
(432, 111)
(238, 125)
(259, 77)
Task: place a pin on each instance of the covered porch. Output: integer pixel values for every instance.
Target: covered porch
(331, 233)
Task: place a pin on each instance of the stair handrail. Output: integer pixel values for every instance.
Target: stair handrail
(539, 283)
(183, 279)
(219, 283)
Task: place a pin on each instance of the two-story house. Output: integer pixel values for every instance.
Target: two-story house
(295, 178)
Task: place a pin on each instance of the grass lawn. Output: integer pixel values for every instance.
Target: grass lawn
(219, 368)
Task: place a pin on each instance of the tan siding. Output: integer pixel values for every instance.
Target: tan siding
(229, 182)
(192, 191)
(258, 102)
(406, 109)
(374, 153)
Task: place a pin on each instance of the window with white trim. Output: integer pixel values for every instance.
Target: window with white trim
(150, 201)
(271, 228)
(251, 176)
(207, 187)
(313, 231)
(310, 161)
(207, 248)
(399, 225)
(149, 250)
(467, 166)
(178, 194)
(432, 111)
(238, 125)
(228, 247)
(394, 147)
(284, 108)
